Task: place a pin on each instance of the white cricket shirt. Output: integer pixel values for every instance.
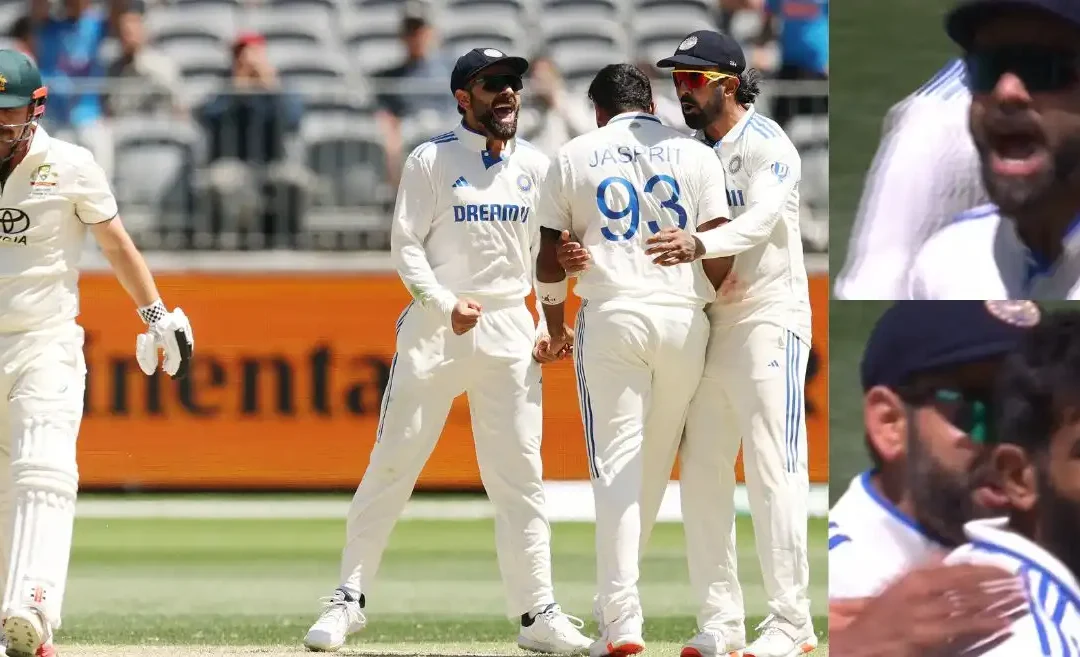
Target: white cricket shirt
(45, 206)
(871, 542)
(464, 223)
(768, 280)
(925, 172)
(617, 186)
(1052, 628)
(980, 256)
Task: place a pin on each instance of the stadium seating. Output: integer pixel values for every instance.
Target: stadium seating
(327, 51)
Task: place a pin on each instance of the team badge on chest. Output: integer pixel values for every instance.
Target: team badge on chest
(43, 182)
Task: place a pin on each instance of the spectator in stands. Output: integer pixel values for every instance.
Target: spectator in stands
(141, 80)
(804, 52)
(550, 116)
(22, 36)
(414, 87)
(68, 52)
(256, 187)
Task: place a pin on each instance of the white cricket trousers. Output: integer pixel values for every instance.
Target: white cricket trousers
(42, 381)
(637, 368)
(751, 392)
(493, 365)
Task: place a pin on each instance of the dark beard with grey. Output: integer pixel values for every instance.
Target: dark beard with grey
(494, 127)
(942, 500)
(1017, 195)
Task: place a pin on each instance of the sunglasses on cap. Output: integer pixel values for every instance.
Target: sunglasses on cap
(1040, 68)
(694, 80)
(969, 412)
(496, 83)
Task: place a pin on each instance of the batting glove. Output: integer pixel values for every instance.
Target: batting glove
(169, 332)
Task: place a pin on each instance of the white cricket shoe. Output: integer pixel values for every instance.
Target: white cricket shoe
(25, 632)
(341, 616)
(619, 638)
(554, 632)
(713, 644)
(780, 638)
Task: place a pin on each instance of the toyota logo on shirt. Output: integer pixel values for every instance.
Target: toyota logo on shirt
(13, 221)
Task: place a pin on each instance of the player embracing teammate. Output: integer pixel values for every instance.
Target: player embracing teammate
(751, 390)
(648, 204)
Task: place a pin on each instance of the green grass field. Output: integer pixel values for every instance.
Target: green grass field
(850, 323)
(186, 587)
(884, 51)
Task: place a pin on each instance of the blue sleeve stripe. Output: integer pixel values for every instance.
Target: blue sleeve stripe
(837, 540)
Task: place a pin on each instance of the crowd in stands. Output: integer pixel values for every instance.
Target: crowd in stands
(283, 123)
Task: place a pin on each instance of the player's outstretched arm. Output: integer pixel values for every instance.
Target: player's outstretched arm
(168, 331)
(777, 171)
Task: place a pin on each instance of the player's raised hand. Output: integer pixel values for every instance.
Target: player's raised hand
(464, 316)
(168, 332)
(935, 610)
(674, 246)
(573, 257)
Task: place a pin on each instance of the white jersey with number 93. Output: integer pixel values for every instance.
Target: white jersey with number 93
(617, 186)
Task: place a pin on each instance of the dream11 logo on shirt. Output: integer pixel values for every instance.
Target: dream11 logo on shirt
(13, 223)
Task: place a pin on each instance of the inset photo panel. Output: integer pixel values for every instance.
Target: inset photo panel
(952, 516)
(957, 173)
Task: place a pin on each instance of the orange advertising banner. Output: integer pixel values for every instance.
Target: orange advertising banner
(285, 388)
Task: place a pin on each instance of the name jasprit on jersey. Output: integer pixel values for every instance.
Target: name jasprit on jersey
(626, 154)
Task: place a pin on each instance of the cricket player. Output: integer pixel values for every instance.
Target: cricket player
(1023, 62)
(1035, 468)
(925, 172)
(464, 239)
(755, 370)
(641, 330)
(927, 377)
(53, 194)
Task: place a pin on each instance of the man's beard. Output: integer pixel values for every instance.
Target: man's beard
(1059, 522)
(942, 500)
(495, 129)
(1014, 195)
(703, 116)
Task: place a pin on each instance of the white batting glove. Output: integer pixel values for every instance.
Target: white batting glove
(169, 332)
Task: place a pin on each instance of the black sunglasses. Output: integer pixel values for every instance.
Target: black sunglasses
(496, 83)
(969, 412)
(1041, 68)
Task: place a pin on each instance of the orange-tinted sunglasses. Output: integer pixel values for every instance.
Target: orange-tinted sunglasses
(694, 80)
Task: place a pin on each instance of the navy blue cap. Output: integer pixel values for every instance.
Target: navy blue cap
(708, 48)
(477, 59)
(964, 20)
(917, 336)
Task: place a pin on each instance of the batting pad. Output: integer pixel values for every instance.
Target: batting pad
(44, 485)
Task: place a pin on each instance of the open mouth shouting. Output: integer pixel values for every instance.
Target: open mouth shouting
(504, 110)
(1017, 151)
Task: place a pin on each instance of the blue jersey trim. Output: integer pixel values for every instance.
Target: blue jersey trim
(979, 212)
(634, 117)
(890, 508)
(943, 79)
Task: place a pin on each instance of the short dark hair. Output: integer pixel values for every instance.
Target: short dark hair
(1039, 385)
(22, 28)
(749, 87)
(619, 88)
